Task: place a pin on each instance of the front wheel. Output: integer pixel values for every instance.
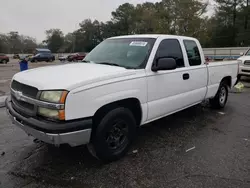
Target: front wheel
(113, 135)
(220, 99)
(4, 61)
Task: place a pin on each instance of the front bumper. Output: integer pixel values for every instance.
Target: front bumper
(244, 70)
(74, 133)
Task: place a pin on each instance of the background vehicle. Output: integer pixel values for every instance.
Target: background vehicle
(16, 56)
(62, 57)
(76, 57)
(4, 58)
(123, 83)
(41, 51)
(244, 63)
(48, 57)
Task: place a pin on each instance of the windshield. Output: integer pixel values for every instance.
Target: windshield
(126, 52)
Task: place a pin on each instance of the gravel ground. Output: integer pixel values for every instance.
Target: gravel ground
(198, 147)
(161, 157)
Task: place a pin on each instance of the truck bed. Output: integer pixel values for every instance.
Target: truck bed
(217, 71)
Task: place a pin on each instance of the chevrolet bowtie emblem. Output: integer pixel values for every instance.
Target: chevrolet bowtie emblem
(18, 95)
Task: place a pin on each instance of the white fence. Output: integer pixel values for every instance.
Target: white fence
(221, 53)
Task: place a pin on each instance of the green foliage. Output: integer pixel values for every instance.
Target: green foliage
(15, 43)
(54, 40)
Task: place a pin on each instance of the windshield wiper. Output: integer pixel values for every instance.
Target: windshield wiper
(86, 61)
(108, 63)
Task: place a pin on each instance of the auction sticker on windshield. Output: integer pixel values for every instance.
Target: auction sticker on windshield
(138, 43)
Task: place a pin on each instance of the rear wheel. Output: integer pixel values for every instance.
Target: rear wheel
(220, 99)
(4, 61)
(113, 135)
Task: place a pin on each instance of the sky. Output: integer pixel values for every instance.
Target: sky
(33, 17)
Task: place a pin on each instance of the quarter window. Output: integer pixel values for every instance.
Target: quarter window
(170, 48)
(193, 52)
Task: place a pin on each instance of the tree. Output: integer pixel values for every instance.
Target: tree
(4, 43)
(123, 17)
(54, 39)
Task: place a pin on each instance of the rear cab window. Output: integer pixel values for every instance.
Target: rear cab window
(193, 53)
(170, 48)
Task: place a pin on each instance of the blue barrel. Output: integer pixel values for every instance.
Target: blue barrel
(23, 65)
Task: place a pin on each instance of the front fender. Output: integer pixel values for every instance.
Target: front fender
(85, 103)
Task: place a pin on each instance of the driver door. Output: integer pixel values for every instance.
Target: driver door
(168, 90)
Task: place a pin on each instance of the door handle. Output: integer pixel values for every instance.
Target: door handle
(185, 76)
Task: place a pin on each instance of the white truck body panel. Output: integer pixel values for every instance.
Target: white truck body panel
(92, 86)
(69, 76)
(147, 86)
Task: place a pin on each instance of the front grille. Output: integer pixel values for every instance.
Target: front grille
(22, 103)
(22, 107)
(25, 89)
(247, 62)
(246, 71)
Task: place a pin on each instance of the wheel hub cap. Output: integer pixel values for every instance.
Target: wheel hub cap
(222, 95)
(117, 136)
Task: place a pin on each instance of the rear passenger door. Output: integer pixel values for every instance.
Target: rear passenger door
(169, 91)
(197, 70)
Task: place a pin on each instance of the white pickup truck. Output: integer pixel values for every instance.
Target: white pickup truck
(123, 83)
(244, 63)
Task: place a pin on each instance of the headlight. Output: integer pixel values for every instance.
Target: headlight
(58, 97)
(53, 114)
(54, 96)
(240, 61)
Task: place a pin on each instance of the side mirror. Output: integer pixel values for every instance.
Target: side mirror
(164, 64)
(241, 53)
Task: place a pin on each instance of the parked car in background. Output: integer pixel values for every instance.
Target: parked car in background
(76, 57)
(41, 50)
(48, 57)
(4, 58)
(62, 58)
(16, 56)
(123, 83)
(29, 56)
(244, 63)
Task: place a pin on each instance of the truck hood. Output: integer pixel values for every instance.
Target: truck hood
(243, 58)
(69, 76)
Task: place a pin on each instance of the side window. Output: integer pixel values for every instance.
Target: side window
(171, 48)
(193, 52)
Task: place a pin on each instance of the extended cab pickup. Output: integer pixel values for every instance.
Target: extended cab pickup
(123, 83)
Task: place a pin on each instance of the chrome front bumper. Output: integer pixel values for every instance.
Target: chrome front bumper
(73, 138)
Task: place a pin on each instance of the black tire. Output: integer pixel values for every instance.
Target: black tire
(239, 77)
(114, 134)
(220, 99)
(4, 61)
